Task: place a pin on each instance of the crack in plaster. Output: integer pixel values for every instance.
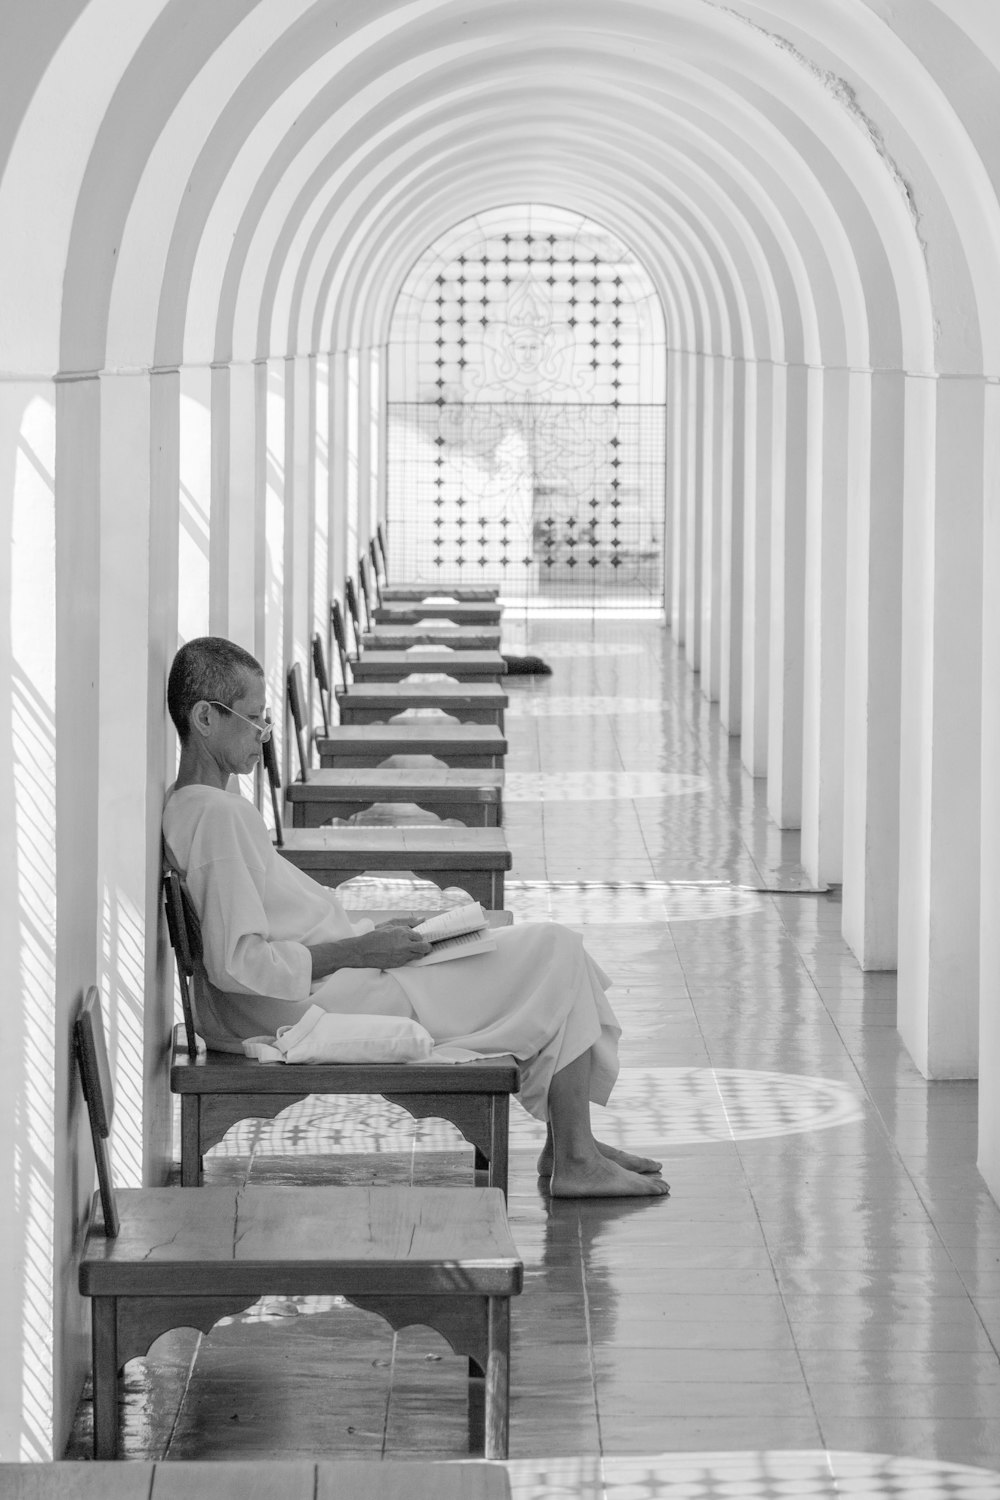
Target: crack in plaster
(846, 96)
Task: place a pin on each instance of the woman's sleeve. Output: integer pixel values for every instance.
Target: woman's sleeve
(226, 886)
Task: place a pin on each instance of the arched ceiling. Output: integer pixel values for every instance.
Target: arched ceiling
(806, 180)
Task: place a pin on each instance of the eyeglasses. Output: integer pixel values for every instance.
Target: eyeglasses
(263, 730)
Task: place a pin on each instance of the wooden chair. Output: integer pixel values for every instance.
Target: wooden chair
(472, 796)
(366, 593)
(322, 680)
(162, 1258)
(473, 858)
(374, 702)
(219, 1089)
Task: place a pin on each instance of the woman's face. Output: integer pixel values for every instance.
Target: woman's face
(242, 728)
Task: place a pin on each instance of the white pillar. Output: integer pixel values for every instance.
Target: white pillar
(715, 443)
(363, 450)
(759, 453)
(939, 861)
(38, 1225)
(299, 514)
(989, 940)
(319, 407)
(694, 472)
(731, 577)
(195, 489)
(823, 680)
(872, 666)
(238, 514)
(680, 387)
(339, 469)
(794, 441)
(276, 555)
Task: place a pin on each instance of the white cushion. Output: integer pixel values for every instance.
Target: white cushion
(325, 1037)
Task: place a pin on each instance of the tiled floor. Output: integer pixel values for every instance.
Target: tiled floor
(822, 1286)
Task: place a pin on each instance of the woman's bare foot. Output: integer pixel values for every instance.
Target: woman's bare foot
(600, 1177)
(624, 1159)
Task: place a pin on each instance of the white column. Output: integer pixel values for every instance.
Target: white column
(716, 449)
(195, 488)
(694, 473)
(319, 405)
(299, 514)
(759, 453)
(339, 469)
(276, 555)
(731, 574)
(679, 473)
(38, 1225)
(939, 858)
(363, 450)
(823, 681)
(796, 443)
(241, 526)
(872, 657)
(220, 541)
(989, 941)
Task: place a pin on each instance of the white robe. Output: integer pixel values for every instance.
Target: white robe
(540, 997)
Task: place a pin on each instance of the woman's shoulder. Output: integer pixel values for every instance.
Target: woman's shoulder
(213, 813)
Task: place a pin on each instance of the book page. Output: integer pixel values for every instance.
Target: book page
(463, 946)
(459, 919)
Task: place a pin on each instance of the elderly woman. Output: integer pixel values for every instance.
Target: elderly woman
(276, 942)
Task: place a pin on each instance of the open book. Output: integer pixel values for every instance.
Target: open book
(457, 933)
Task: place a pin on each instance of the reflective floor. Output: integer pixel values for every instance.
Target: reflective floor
(815, 1309)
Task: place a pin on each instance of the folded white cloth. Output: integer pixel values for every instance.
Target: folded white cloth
(323, 1036)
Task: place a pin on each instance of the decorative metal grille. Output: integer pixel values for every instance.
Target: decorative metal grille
(526, 421)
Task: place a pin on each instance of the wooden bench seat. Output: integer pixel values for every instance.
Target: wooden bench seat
(470, 746)
(219, 1089)
(462, 666)
(246, 1479)
(161, 1258)
(402, 637)
(414, 593)
(469, 702)
(474, 797)
(473, 858)
(458, 613)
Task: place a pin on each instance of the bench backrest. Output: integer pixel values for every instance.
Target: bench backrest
(365, 591)
(269, 756)
(351, 600)
(297, 708)
(185, 939)
(322, 680)
(380, 535)
(340, 640)
(376, 580)
(95, 1076)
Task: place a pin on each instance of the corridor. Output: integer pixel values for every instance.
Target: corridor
(826, 1272)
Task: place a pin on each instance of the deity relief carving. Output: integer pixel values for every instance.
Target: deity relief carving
(529, 354)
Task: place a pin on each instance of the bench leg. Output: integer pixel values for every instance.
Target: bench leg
(191, 1163)
(497, 1434)
(499, 1137)
(104, 1368)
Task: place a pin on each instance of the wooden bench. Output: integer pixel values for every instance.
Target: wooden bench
(471, 746)
(402, 637)
(277, 1479)
(472, 796)
(473, 858)
(469, 702)
(462, 666)
(374, 702)
(219, 1089)
(458, 613)
(161, 1258)
(414, 593)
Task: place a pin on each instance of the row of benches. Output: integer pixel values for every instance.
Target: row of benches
(165, 1257)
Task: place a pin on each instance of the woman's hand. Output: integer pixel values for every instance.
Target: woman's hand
(386, 947)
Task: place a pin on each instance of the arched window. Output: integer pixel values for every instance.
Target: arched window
(526, 383)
